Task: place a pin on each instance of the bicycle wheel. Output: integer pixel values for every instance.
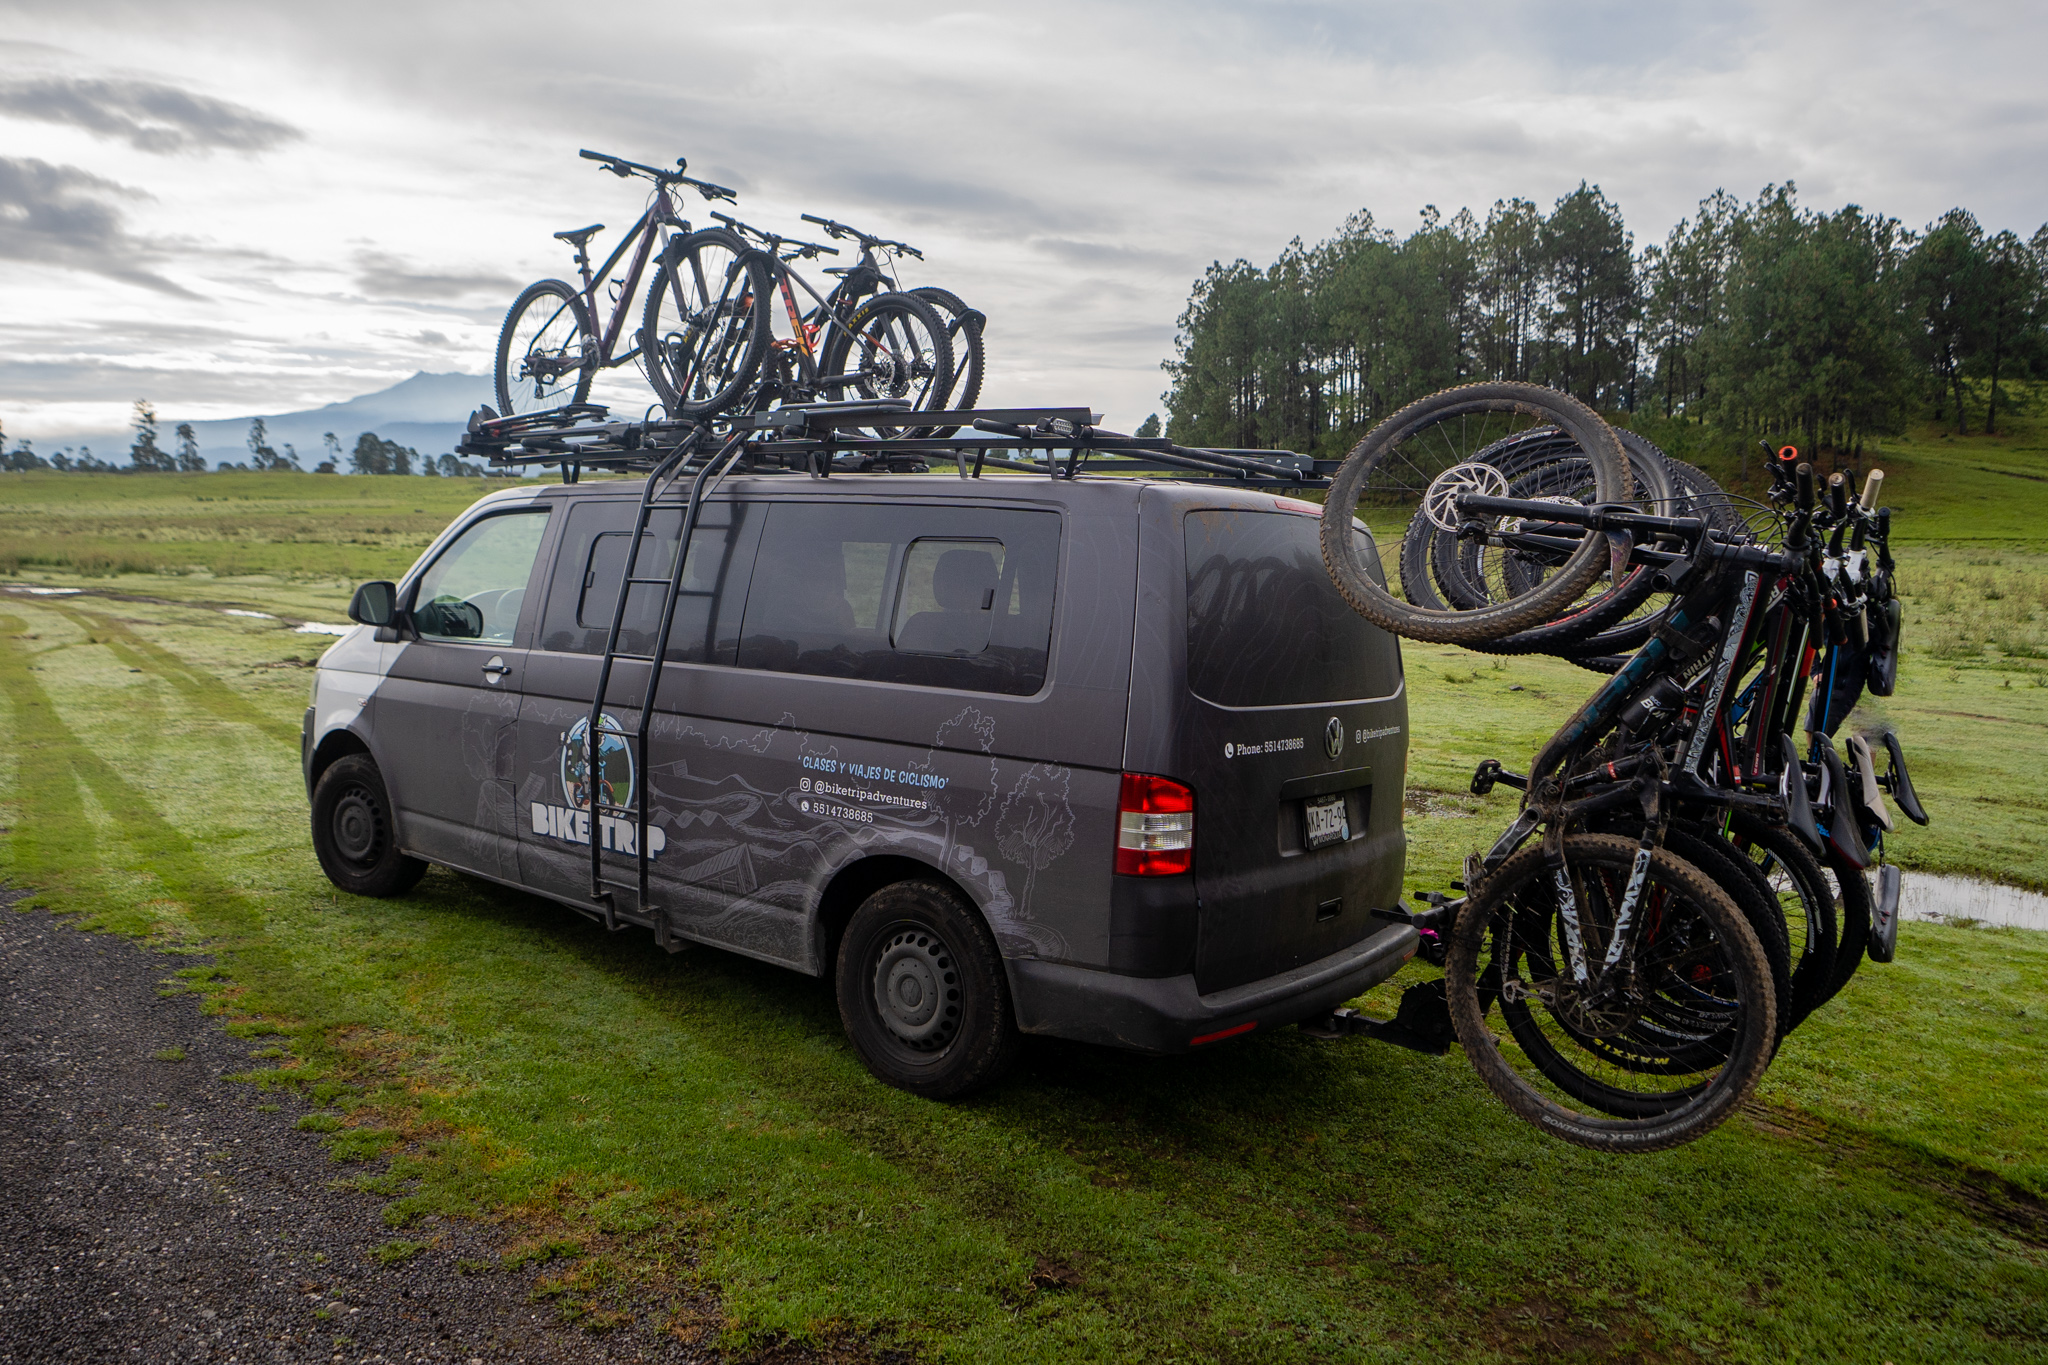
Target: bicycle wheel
(1665, 1049)
(964, 327)
(1432, 443)
(1807, 896)
(1852, 915)
(894, 346)
(1540, 463)
(704, 328)
(545, 350)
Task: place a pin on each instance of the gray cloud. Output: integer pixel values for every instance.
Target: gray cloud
(59, 215)
(148, 115)
(382, 275)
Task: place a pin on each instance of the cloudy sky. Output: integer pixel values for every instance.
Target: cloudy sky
(231, 209)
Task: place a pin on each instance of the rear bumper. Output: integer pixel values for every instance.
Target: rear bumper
(1168, 1014)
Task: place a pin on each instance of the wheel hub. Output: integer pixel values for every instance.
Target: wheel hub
(355, 828)
(917, 989)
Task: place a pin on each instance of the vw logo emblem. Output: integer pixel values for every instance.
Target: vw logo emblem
(1333, 737)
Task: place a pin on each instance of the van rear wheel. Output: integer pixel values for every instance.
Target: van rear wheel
(922, 992)
(353, 833)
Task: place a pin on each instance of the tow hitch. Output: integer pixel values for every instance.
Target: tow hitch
(1422, 1022)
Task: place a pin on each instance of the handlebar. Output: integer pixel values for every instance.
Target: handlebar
(774, 241)
(836, 230)
(1804, 500)
(622, 168)
(1871, 486)
(1838, 497)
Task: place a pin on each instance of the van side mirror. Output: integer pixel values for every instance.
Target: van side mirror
(375, 604)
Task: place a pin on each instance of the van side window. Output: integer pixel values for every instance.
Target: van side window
(591, 564)
(934, 596)
(474, 589)
(1266, 626)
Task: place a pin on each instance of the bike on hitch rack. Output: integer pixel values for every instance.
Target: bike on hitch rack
(1629, 953)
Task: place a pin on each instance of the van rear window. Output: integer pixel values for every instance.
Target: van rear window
(1266, 626)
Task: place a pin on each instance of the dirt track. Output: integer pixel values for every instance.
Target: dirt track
(150, 1210)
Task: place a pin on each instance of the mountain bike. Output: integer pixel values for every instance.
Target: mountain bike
(890, 346)
(549, 349)
(964, 325)
(1683, 883)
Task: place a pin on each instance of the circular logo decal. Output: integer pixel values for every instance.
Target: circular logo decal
(1229, 749)
(614, 764)
(1333, 737)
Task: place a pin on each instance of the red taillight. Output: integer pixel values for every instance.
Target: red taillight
(1155, 827)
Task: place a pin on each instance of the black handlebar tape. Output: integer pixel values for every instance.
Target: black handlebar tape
(1838, 496)
(1805, 474)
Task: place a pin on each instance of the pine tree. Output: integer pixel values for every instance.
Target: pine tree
(144, 453)
(188, 458)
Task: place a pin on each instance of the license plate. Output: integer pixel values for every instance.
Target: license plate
(1328, 821)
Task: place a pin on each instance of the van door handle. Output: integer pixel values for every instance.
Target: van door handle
(496, 668)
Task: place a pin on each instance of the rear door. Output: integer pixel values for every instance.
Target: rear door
(445, 713)
(1290, 722)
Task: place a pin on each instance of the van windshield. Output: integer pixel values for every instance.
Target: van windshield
(1266, 626)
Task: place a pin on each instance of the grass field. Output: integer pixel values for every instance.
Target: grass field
(631, 1116)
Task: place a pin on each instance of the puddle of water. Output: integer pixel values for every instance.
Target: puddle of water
(316, 628)
(1927, 896)
(261, 615)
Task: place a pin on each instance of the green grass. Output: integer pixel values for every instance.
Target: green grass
(699, 1120)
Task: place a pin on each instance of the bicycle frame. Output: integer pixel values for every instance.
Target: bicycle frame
(660, 215)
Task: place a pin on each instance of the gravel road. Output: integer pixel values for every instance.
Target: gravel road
(151, 1210)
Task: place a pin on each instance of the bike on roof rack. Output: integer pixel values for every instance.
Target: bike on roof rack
(550, 348)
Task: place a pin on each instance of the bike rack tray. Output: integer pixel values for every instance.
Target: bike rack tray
(817, 438)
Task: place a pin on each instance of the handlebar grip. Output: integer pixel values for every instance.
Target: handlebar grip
(814, 218)
(1871, 486)
(1838, 495)
(589, 155)
(1805, 475)
(999, 428)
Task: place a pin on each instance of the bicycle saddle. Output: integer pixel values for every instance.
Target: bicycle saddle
(840, 269)
(576, 237)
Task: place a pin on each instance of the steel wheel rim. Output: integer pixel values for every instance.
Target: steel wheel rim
(916, 989)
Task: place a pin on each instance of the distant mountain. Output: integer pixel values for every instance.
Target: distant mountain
(427, 412)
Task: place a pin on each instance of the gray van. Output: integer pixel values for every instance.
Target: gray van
(1102, 758)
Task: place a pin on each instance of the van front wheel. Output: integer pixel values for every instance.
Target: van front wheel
(922, 992)
(353, 833)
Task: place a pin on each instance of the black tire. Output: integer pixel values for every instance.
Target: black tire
(705, 325)
(964, 328)
(1753, 895)
(922, 992)
(1852, 914)
(1807, 895)
(892, 346)
(1382, 468)
(545, 350)
(353, 832)
(1699, 1020)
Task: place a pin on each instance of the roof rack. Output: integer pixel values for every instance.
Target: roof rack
(872, 436)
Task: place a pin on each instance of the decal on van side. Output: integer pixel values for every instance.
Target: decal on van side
(612, 776)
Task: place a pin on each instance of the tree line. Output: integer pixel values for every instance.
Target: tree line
(372, 454)
(1759, 319)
